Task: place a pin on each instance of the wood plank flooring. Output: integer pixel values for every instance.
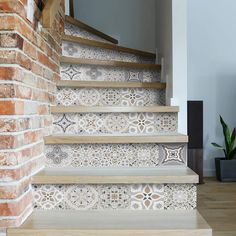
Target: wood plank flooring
(217, 204)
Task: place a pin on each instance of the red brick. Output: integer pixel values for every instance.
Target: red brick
(13, 125)
(30, 50)
(14, 191)
(11, 40)
(6, 223)
(11, 107)
(16, 208)
(8, 175)
(16, 158)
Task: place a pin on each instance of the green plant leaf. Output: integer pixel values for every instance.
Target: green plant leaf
(227, 136)
(232, 139)
(217, 146)
(232, 154)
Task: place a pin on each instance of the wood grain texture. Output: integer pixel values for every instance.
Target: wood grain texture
(90, 29)
(103, 109)
(113, 223)
(114, 47)
(110, 63)
(109, 84)
(49, 12)
(217, 204)
(116, 176)
(66, 139)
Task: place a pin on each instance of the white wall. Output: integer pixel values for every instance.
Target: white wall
(212, 67)
(132, 22)
(171, 38)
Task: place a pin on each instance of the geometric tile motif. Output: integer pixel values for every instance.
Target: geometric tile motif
(173, 154)
(111, 155)
(88, 52)
(111, 97)
(103, 73)
(117, 196)
(76, 31)
(181, 197)
(114, 123)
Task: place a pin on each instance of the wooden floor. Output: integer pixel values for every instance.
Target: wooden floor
(217, 204)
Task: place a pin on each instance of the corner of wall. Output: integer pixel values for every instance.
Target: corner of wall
(29, 69)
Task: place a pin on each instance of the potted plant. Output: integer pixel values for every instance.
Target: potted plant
(226, 166)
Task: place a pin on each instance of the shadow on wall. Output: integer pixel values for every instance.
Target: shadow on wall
(222, 102)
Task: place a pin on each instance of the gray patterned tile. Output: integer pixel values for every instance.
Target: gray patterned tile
(110, 97)
(76, 31)
(116, 123)
(101, 73)
(135, 197)
(88, 52)
(113, 155)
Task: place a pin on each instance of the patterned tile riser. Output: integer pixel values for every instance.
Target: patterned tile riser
(88, 52)
(76, 31)
(110, 97)
(103, 73)
(114, 123)
(115, 155)
(105, 197)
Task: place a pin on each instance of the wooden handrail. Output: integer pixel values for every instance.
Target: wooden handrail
(72, 13)
(49, 12)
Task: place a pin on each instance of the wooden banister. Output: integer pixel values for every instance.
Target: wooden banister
(49, 12)
(72, 13)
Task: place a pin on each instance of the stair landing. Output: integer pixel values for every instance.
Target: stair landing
(114, 223)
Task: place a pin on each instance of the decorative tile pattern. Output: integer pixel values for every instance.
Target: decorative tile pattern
(88, 52)
(101, 73)
(76, 31)
(147, 197)
(110, 97)
(112, 155)
(135, 197)
(115, 123)
(173, 154)
(180, 197)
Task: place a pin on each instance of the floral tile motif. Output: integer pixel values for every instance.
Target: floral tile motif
(114, 123)
(76, 31)
(111, 97)
(111, 155)
(181, 197)
(88, 52)
(79, 197)
(112, 197)
(101, 73)
(147, 197)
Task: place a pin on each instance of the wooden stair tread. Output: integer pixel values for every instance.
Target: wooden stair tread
(110, 84)
(110, 63)
(161, 175)
(114, 47)
(90, 29)
(82, 139)
(113, 109)
(114, 223)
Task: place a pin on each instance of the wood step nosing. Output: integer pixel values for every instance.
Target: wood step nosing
(90, 29)
(113, 109)
(111, 63)
(66, 139)
(94, 43)
(110, 84)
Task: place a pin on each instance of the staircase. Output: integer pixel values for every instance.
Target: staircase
(115, 164)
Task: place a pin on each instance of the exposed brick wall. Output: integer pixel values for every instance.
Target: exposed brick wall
(29, 68)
